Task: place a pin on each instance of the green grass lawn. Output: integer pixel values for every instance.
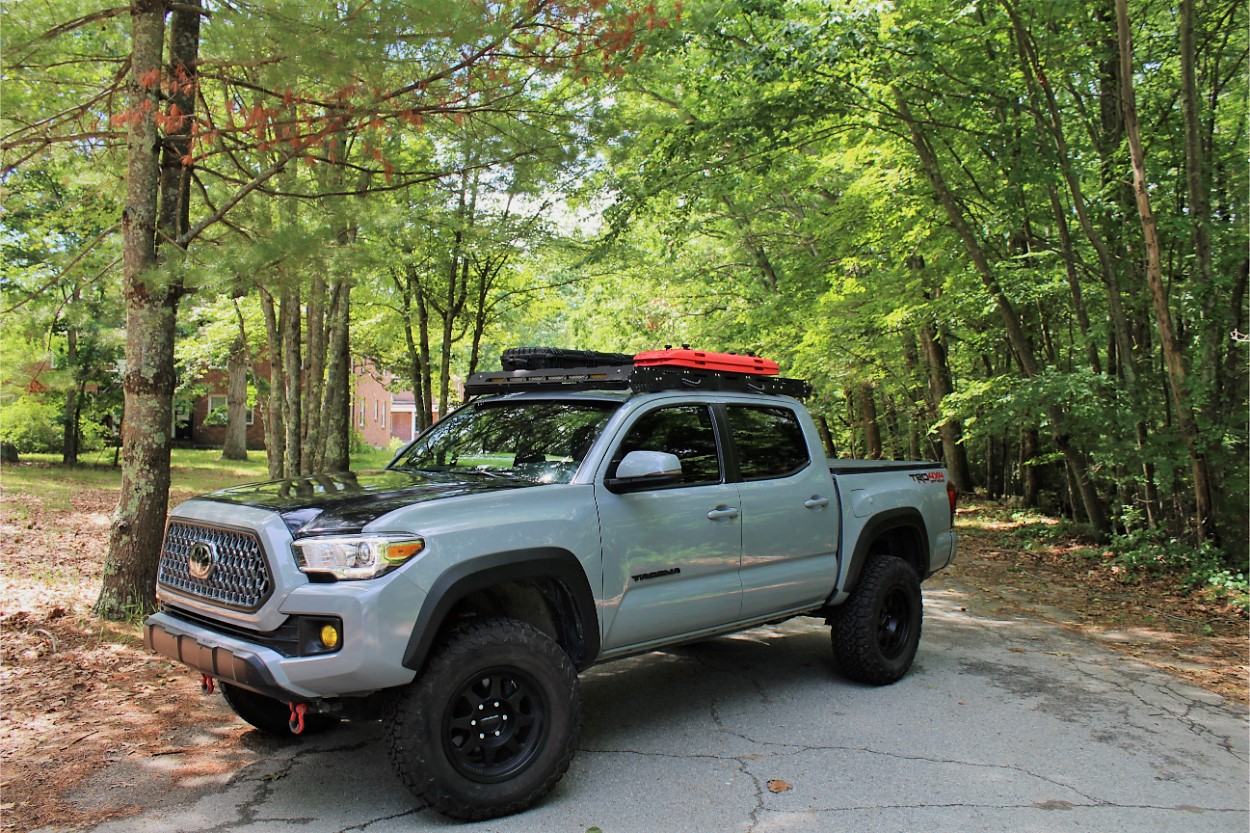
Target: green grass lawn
(191, 471)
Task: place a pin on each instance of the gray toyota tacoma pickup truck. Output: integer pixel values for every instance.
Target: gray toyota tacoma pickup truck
(562, 518)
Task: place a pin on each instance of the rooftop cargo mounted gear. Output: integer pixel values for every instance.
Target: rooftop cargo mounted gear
(649, 372)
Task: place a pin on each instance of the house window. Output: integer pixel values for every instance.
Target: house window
(377, 409)
(362, 415)
(218, 411)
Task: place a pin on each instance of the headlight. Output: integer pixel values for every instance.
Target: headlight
(355, 558)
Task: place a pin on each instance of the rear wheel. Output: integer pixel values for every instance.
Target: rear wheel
(877, 630)
(270, 715)
(490, 725)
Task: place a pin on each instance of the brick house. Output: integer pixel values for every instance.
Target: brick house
(378, 413)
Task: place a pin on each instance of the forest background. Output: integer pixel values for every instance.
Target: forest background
(1009, 235)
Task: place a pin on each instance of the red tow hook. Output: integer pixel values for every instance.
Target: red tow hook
(298, 710)
(207, 684)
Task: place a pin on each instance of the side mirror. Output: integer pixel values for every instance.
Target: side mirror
(645, 470)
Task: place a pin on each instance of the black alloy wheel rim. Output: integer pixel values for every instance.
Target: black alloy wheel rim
(494, 725)
(894, 625)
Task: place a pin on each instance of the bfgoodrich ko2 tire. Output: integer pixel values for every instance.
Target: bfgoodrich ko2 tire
(490, 725)
(877, 630)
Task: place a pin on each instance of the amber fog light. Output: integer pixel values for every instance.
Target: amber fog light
(329, 637)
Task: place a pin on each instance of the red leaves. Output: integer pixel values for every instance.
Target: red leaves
(149, 80)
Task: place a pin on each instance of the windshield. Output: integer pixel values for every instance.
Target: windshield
(540, 441)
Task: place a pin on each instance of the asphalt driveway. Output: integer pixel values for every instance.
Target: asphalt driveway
(1003, 725)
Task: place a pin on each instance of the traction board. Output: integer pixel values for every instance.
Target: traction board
(703, 360)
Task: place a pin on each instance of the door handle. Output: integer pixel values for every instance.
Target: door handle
(816, 502)
(723, 513)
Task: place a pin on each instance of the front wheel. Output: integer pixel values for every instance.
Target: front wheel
(877, 630)
(490, 725)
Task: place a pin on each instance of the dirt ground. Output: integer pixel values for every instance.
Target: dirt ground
(79, 694)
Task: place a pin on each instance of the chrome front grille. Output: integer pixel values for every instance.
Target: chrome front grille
(223, 565)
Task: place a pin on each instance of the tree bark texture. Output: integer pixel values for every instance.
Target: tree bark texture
(138, 522)
(337, 405)
(868, 416)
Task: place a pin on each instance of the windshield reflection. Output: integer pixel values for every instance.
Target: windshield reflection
(543, 442)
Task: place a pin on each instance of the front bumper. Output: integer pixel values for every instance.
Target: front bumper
(232, 663)
(377, 619)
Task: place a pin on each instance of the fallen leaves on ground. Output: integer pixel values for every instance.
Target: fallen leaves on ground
(1189, 634)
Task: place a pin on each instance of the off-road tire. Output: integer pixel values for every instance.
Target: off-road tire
(877, 630)
(515, 689)
(270, 715)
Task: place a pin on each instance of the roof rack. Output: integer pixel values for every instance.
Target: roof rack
(636, 379)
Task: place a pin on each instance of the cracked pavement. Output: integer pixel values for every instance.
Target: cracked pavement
(1002, 725)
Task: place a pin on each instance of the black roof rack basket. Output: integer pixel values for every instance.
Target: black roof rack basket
(636, 379)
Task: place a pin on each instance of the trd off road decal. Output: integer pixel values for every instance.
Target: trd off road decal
(929, 477)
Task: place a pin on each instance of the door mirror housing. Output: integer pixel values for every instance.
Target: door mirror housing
(645, 470)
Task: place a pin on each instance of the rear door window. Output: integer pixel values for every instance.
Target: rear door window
(769, 442)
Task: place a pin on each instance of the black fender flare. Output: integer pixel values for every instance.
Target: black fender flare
(485, 571)
(904, 517)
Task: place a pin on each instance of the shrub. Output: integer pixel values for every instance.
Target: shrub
(1148, 552)
(32, 425)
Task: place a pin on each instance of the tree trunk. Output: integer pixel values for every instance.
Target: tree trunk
(953, 452)
(235, 445)
(138, 522)
(73, 396)
(1030, 475)
(312, 451)
(1198, 204)
(826, 436)
(868, 414)
(275, 424)
(292, 367)
(337, 406)
(426, 394)
(1173, 358)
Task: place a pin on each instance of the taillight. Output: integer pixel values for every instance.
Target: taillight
(952, 495)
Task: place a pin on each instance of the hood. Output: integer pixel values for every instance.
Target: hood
(343, 503)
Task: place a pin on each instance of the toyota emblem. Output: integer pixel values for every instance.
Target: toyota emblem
(202, 560)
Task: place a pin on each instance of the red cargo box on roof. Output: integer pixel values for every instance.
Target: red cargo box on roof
(702, 360)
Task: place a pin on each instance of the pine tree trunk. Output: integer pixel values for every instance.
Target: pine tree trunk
(138, 522)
